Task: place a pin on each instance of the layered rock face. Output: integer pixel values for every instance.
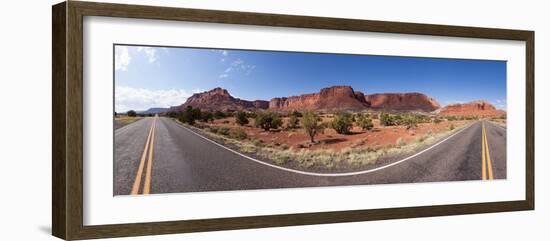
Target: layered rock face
(402, 102)
(219, 99)
(332, 98)
(475, 108)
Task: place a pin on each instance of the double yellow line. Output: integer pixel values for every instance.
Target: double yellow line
(146, 155)
(486, 165)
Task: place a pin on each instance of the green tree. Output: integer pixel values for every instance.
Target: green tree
(241, 119)
(365, 122)
(311, 123)
(131, 113)
(268, 120)
(342, 122)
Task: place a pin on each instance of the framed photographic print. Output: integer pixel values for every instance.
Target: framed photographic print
(171, 120)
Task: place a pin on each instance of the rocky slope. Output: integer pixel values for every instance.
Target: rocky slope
(402, 102)
(476, 108)
(220, 99)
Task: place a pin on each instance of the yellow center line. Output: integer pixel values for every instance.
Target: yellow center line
(489, 164)
(137, 180)
(147, 184)
(483, 160)
(486, 164)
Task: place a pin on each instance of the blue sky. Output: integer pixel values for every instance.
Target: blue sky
(161, 77)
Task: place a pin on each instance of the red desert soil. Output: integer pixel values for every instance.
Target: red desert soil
(378, 137)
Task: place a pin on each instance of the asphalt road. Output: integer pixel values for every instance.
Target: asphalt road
(181, 161)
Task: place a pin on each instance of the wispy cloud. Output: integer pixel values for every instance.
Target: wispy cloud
(128, 98)
(223, 76)
(122, 58)
(150, 53)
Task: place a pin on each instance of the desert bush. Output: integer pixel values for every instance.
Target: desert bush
(241, 119)
(364, 121)
(214, 129)
(410, 121)
(437, 120)
(387, 119)
(190, 115)
(207, 116)
(312, 125)
(293, 122)
(131, 113)
(224, 131)
(400, 142)
(452, 127)
(219, 115)
(297, 114)
(172, 114)
(238, 133)
(342, 122)
(268, 120)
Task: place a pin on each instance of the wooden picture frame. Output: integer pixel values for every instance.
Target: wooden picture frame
(67, 119)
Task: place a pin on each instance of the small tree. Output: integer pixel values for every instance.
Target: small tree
(312, 125)
(131, 113)
(293, 122)
(268, 120)
(241, 119)
(342, 122)
(365, 122)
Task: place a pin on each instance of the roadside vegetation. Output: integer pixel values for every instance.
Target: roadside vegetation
(321, 140)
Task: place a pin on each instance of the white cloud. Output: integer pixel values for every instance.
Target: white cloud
(128, 98)
(500, 104)
(151, 53)
(222, 76)
(122, 58)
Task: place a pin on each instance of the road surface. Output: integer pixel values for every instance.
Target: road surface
(158, 155)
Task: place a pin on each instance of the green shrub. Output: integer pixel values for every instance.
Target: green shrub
(410, 121)
(131, 113)
(224, 131)
(238, 134)
(342, 122)
(387, 120)
(293, 122)
(219, 115)
(364, 121)
(241, 119)
(268, 120)
(437, 120)
(207, 116)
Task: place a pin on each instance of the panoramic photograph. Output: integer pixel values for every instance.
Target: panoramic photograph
(198, 119)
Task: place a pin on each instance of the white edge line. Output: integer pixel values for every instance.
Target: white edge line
(325, 174)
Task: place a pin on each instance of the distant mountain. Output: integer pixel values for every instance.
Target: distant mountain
(475, 108)
(219, 99)
(328, 99)
(157, 110)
